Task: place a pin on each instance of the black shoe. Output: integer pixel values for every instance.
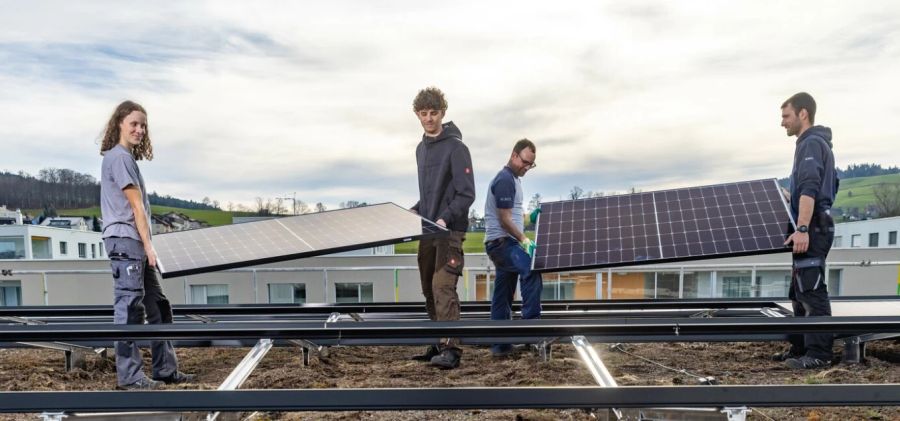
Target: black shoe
(142, 384)
(430, 353)
(447, 359)
(176, 378)
(785, 355)
(806, 363)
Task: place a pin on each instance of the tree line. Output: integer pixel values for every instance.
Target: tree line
(61, 188)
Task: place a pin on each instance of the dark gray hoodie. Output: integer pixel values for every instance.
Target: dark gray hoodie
(813, 174)
(446, 179)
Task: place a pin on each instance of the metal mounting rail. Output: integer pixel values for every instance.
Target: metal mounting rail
(404, 307)
(678, 329)
(454, 398)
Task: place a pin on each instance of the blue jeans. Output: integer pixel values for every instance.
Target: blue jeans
(512, 264)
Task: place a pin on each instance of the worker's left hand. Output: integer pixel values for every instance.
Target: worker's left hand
(528, 246)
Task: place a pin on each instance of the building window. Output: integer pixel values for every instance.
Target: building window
(353, 292)
(209, 294)
(561, 290)
(892, 238)
(10, 293)
(736, 286)
(12, 247)
(838, 241)
(855, 240)
(834, 281)
(41, 247)
(101, 248)
(63, 248)
(873, 239)
(93, 251)
(287, 293)
(82, 251)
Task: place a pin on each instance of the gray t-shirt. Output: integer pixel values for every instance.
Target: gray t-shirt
(119, 170)
(505, 192)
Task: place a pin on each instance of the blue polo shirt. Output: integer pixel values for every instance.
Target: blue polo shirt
(505, 192)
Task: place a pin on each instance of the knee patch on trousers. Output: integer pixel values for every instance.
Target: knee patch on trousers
(136, 313)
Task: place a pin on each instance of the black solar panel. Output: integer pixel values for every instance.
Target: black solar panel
(230, 246)
(721, 220)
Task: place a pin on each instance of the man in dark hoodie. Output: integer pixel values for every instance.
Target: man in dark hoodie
(814, 184)
(446, 191)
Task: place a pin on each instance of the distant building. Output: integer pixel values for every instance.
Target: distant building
(32, 242)
(10, 217)
(870, 233)
(77, 223)
(173, 221)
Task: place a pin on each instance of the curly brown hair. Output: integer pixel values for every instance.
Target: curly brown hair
(110, 137)
(430, 98)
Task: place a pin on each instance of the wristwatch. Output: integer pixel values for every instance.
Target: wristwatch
(802, 228)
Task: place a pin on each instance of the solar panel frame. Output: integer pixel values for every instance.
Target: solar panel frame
(171, 264)
(550, 250)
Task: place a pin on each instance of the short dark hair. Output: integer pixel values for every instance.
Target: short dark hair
(800, 101)
(430, 98)
(522, 144)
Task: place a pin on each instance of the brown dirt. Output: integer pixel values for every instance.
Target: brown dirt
(346, 367)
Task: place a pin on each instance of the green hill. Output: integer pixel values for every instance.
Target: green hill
(212, 217)
(859, 192)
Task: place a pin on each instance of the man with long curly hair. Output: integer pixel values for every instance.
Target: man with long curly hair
(125, 206)
(446, 191)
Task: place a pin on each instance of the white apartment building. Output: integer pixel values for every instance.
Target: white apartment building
(870, 233)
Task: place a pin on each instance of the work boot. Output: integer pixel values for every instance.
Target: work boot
(142, 384)
(176, 378)
(785, 355)
(447, 359)
(431, 352)
(806, 363)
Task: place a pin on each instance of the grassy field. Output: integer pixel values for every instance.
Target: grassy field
(474, 244)
(862, 189)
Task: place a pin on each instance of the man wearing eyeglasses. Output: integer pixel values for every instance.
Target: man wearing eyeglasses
(506, 244)
(446, 191)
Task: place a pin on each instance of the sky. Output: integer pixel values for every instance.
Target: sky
(314, 99)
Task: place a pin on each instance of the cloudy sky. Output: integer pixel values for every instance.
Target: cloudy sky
(265, 99)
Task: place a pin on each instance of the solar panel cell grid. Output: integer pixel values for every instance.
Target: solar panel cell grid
(230, 246)
(681, 224)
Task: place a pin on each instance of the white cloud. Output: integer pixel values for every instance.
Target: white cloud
(267, 98)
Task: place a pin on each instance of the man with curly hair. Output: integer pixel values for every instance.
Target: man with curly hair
(125, 206)
(446, 191)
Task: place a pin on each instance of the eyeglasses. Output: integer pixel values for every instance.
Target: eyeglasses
(528, 164)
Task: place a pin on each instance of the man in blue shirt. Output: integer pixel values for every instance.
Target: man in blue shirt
(505, 241)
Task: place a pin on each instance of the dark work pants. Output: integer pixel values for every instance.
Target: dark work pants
(808, 293)
(513, 265)
(138, 299)
(441, 262)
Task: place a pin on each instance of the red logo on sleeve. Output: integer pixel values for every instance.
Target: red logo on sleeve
(468, 170)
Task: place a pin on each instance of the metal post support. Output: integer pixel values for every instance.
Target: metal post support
(53, 416)
(712, 283)
(255, 287)
(397, 285)
(754, 284)
(609, 284)
(324, 285)
(243, 370)
(598, 291)
(854, 350)
(738, 413)
(46, 289)
(681, 282)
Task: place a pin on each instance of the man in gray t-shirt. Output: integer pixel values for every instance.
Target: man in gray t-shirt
(137, 293)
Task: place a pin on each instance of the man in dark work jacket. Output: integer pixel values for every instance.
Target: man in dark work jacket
(446, 191)
(814, 185)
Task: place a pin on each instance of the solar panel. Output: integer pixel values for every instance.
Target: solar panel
(720, 220)
(230, 246)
